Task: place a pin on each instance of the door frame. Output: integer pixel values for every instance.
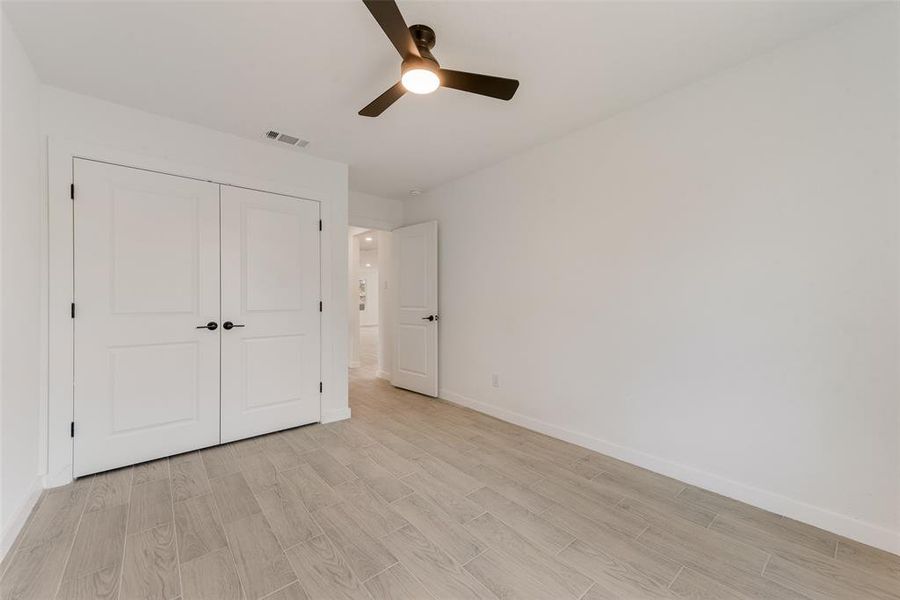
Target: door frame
(57, 328)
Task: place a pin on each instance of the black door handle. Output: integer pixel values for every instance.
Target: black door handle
(212, 326)
(229, 325)
(430, 318)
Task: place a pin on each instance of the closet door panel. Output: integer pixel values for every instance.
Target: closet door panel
(271, 293)
(146, 276)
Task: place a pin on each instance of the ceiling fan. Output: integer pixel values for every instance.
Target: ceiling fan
(420, 72)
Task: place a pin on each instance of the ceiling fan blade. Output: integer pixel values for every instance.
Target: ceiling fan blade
(387, 13)
(486, 85)
(382, 102)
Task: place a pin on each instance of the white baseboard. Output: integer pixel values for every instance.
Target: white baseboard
(62, 477)
(331, 416)
(382, 374)
(15, 525)
(862, 531)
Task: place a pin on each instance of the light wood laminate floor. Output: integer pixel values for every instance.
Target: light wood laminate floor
(417, 498)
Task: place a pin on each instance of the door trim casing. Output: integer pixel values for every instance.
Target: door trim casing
(57, 328)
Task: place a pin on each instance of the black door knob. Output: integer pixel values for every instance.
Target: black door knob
(212, 326)
(428, 318)
(230, 325)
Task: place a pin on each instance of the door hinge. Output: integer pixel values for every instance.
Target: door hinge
(73, 310)
(72, 191)
(320, 306)
(72, 429)
(320, 387)
(320, 224)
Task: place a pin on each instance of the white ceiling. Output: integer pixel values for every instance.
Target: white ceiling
(306, 68)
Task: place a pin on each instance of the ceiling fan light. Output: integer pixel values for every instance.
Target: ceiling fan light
(420, 81)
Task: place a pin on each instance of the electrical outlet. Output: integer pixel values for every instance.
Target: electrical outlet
(495, 380)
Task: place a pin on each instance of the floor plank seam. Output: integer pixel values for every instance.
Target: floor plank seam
(486, 548)
(125, 541)
(227, 543)
(643, 531)
(175, 526)
(394, 501)
(415, 578)
(74, 535)
(369, 578)
(765, 564)
(273, 592)
(677, 573)
(338, 549)
(479, 516)
(596, 475)
(253, 492)
(563, 549)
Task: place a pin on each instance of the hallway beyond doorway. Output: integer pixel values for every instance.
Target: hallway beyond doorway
(368, 354)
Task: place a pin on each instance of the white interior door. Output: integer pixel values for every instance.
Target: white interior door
(270, 292)
(146, 276)
(416, 336)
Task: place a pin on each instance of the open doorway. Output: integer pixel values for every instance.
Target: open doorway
(370, 344)
(393, 320)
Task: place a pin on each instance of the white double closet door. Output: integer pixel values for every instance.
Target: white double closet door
(197, 314)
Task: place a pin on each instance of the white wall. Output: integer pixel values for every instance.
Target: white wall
(68, 116)
(387, 303)
(706, 285)
(20, 288)
(369, 316)
(368, 257)
(353, 296)
(375, 212)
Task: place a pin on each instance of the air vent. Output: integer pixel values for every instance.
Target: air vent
(288, 139)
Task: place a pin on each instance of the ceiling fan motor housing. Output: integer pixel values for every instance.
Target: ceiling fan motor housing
(424, 38)
(423, 35)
